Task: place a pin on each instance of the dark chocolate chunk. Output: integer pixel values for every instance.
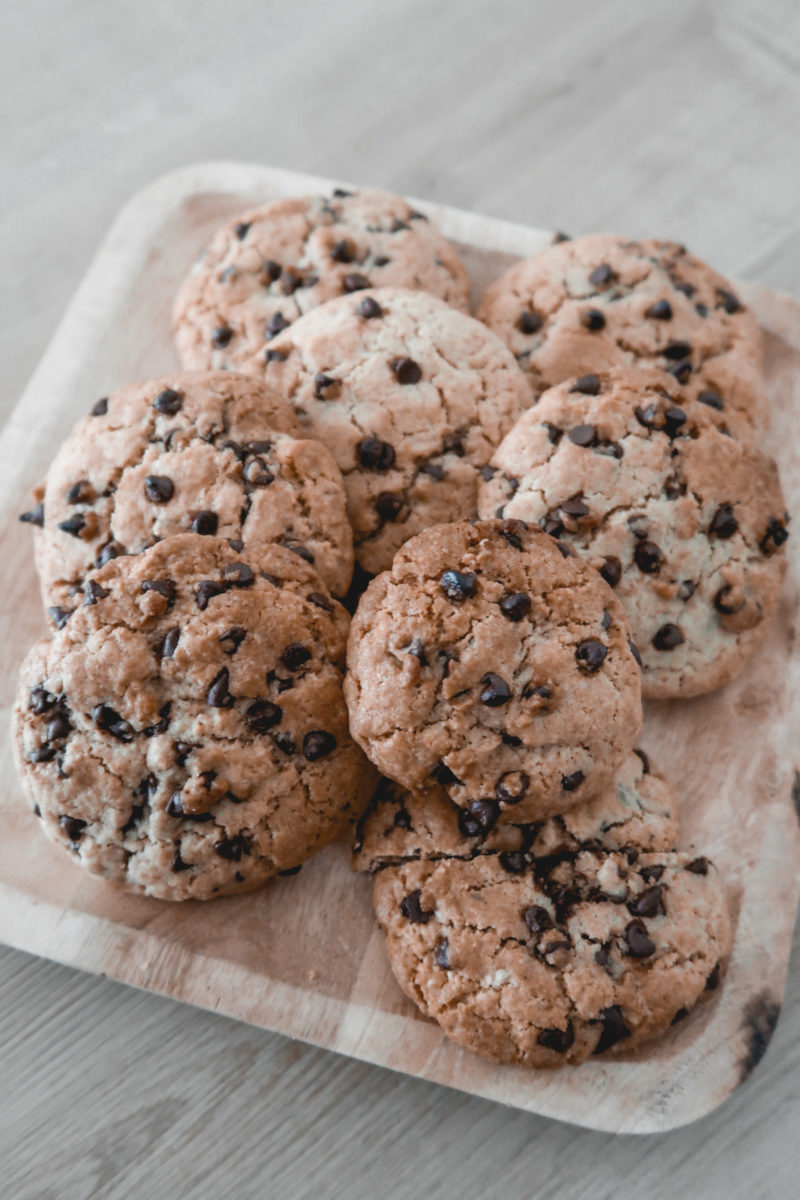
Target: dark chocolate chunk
(162, 587)
(375, 455)
(100, 408)
(711, 398)
(537, 919)
(614, 1028)
(495, 691)
(590, 654)
(593, 320)
(263, 715)
(388, 506)
(677, 350)
(232, 639)
(92, 592)
(649, 904)
(355, 282)
(368, 308)
(668, 637)
(587, 385)
(602, 275)
(34, 516)
(515, 606)
(58, 615)
(698, 866)
(169, 401)
(73, 827)
(648, 557)
(571, 782)
(660, 311)
(458, 585)
(159, 489)
(295, 655)
(205, 522)
(412, 910)
(73, 525)
(529, 322)
(218, 695)
(730, 302)
(275, 325)
(723, 523)
(640, 944)
(107, 719)
(582, 435)
(170, 642)
(317, 744)
(406, 370)
(776, 534)
(558, 1040)
(232, 848)
(238, 575)
(611, 570)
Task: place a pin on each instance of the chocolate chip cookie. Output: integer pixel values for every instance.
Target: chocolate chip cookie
(211, 453)
(492, 661)
(637, 811)
(411, 398)
(586, 305)
(558, 960)
(185, 734)
(686, 524)
(268, 266)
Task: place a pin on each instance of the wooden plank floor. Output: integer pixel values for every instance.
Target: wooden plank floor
(679, 120)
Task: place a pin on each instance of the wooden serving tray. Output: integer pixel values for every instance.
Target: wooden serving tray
(304, 955)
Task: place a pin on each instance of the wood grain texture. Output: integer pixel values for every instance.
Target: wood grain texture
(679, 121)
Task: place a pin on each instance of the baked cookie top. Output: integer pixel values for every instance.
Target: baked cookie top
(685, 523)
(410, 396)
(208, 452)
(637, 812)
(266, 267)
(554, 963)
(596, 302)
(185, 732)
(493, 662)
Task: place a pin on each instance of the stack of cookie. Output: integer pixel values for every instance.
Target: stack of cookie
(201, 720)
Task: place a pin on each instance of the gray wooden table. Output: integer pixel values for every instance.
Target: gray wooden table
(680, 120)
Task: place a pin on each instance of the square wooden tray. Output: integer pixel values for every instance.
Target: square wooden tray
(304, 956)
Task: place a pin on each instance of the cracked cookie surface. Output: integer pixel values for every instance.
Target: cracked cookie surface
(685, 523)
(185, 732)
(410, 396)
(491, 661)
(555, 962)
(600, 301)
(209, 452)
(637, 811)
(268, 266)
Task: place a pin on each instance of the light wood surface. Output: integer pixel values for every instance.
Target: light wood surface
(679, 121)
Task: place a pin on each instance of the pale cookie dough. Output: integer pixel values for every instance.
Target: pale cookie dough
(411, 398)
(268, 266)
(684, 522)
(491, 661)
(596, 302)
(637, 812)
(208, 452)
(184, 734)
(553, 963)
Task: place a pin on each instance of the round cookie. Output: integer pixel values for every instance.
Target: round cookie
(596, 302)
(490, 663)
(210, 452)
(185, 734)
(554, 963)
(410, 396)
(636, 812)
(268, 266)
(685, 523)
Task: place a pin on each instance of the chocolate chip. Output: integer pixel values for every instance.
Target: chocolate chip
(513, 861)
(73, 827)
(170, 642)
(205, 591)
(369, 308)
(529, 322)
(257, 473)
(275, 325)
(723, 523)
(711, 398)
(40, 701)
(712, 980)
(107, 719)
(582, 435)
(375, 455)
(495, 691)
(232, 639)
(611, 570)
(343, 251)
(388, 506)
(417, 649)
(218, 695)
(649, 904)
(321, 601)
(205, 522)
(162, 587)
(660, 311)
(34, 516)
(263, 715)
(232, 848)
(159, 489)
(443, 775)
(100, 408)
(58, 727)
(587, 385)
(537, 919)
(458, 585)
(648, 557)
(676, 350)
(593, 320)
(276, 356)
(238, 575)
(590, 654)
(614, 1028)
(681, 370)
(571, 783)
(92, 592)
(241, 230)
(559, 237)
(558, 1040)
(295, 655)
(554, 435)
(776, 534)
(515, 606)
(668, 637)
(730, 302)
(58, 615)
(355, 282)
(603, 956)
(318, 744)
(162, 725)
(169, 401)
(722, 603)
(406, 370)
(73, 525)
(512, 787)
(301, 551)
(107, 552)
(634, 649)
(81, 492)
(412, 910)
(698, 866)
(441, 953)
(640, 945)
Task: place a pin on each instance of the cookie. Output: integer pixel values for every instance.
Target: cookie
(212, 453)
(268, 266)
(555, 962)
(636, 812)
(491, 661)
(586, 305)
(686, 524)
(184, 734)
(410, 396)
